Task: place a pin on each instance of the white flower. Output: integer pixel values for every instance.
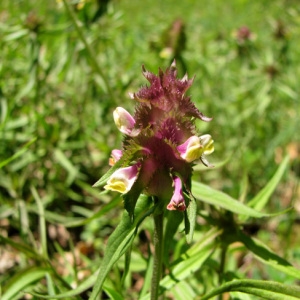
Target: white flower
(123, 179)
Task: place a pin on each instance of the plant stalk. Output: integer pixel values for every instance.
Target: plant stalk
(158, 255)
(222, 267)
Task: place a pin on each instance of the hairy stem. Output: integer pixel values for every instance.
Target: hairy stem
(158, 254)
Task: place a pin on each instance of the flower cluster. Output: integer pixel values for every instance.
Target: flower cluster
(160, 142)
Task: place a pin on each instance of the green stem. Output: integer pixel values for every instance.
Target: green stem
(158, 254)
(222, 267)
(89, 49)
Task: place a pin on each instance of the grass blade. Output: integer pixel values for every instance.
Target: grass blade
(17, 154)
(215, 197)
(265, 289)
(267, 256)
(21, 280)
(261, 199)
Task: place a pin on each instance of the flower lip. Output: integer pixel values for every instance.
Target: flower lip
(177, 201)
(208, 144)
(123, 120)
(123, 179)
(195, 147)
(191, 149)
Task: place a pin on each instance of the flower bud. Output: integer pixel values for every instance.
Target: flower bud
(123, 120)
(177, 200)
(116, 154)
(123, 179)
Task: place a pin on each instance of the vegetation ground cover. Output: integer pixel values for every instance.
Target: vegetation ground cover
(58, 90)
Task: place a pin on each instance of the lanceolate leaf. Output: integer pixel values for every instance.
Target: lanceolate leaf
(22, 280)
(190, 261)
(186, 267)
(112, 293)
(264, 289)
(102, 181)
(17, 154)
(131, 198)
(215, 197)
(72, 293)
(267, 256)
(120, 241)
(190, 220)
(23, 248)
(261, 199)
(174, 219)
(53, 217)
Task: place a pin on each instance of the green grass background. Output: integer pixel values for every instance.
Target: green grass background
(57, 99)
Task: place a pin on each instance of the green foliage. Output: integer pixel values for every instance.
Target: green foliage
(263, 289)
(64, 69)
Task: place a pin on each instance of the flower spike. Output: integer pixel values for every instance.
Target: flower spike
(160, 145)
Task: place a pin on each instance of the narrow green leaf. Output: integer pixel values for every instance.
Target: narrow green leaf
(16, 123)
(214, 197)
(72, 293)
(265, 289)
(17, 154)
(267, 256)
(148, 277)
(190, 218)
(16, 35)
(192, 260)
(287, 90)
(131, 198)
(21, 280)
(102, 181)
(3, 112)
(94, 62)
(120, 241)
(186, 267)
(42, 222)
(126, 265)
(106, 208)
(189, 262)
(25, 249)
(174, 218)
(50, 285)
(67, 165)
(262, 198)
(88, 188)
(183, 290)
(25, 91)
(77, 221)
(53, 217)
(112, 293)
